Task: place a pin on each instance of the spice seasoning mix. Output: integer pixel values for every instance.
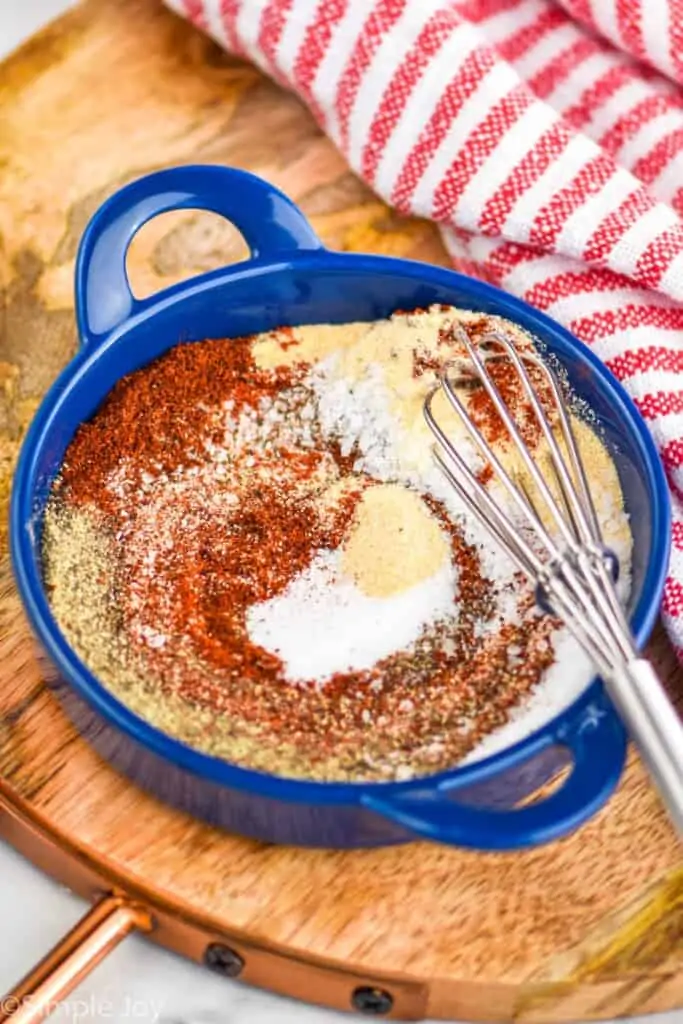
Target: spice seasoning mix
(249, 544)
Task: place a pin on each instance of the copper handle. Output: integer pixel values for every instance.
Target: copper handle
(92, 938)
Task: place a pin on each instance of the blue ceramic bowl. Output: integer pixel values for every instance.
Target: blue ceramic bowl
(291, 278)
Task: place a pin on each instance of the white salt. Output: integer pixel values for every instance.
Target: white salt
(323, 624)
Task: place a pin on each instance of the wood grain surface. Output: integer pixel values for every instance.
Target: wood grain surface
(589, 927)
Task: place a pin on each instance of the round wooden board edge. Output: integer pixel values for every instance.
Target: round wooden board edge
(185, 930)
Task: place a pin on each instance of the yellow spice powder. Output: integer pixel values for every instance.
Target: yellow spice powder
(307, 344)
(394, 542)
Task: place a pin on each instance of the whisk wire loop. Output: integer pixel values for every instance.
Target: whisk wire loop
(558, 580)
(563, 551)
(511, 426)
(571, 479)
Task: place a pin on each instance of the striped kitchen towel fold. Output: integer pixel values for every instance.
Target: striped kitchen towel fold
(546, 140)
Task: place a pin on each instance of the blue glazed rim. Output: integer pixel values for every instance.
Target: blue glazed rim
(296, 248)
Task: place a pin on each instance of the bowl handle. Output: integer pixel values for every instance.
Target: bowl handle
(597, 741)
(270, 223)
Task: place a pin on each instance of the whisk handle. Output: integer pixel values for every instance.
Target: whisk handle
(656, 728)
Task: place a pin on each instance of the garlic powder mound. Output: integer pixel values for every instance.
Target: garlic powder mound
(394, 542)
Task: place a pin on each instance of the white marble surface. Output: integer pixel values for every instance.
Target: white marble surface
(138, 982)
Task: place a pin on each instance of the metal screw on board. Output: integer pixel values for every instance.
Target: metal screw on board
(374, 1002)
(223, 960)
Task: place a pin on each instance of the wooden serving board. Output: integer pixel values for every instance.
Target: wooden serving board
(588, 927)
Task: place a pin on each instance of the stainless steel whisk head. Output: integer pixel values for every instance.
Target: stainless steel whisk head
(565, 555)
(552, 533)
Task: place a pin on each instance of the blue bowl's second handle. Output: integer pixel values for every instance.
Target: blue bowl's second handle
(270, 223)
(597, 741)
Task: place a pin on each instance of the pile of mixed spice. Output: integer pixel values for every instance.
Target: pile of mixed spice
(252, 548)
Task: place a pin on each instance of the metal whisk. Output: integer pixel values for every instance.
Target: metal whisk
(562, 552)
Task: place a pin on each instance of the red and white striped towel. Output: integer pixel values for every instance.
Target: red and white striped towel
(546, 140)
